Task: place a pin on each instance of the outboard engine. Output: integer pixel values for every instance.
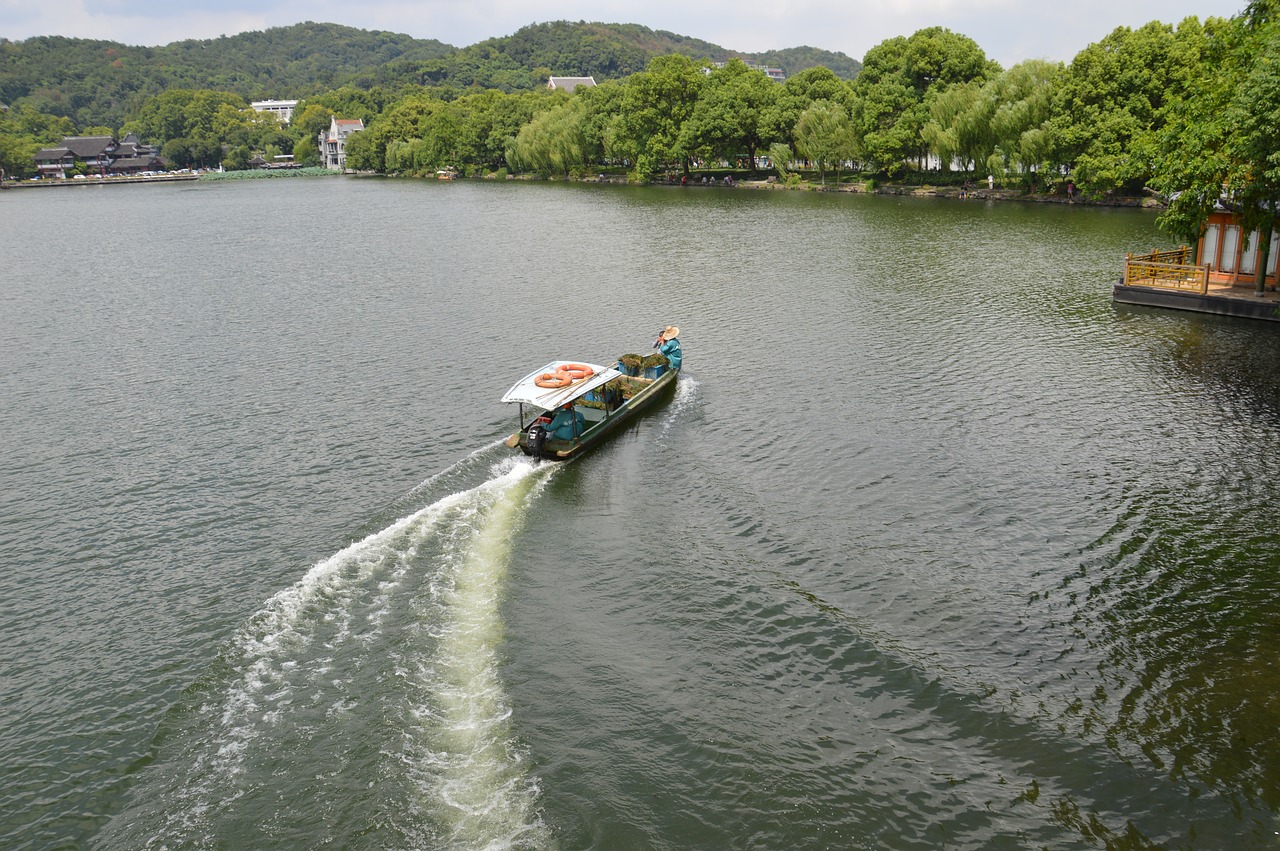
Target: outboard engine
(537, 437)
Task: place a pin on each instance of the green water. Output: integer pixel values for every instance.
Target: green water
(932, 547)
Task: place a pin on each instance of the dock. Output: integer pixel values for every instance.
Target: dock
(114, 180)
(1165, 279)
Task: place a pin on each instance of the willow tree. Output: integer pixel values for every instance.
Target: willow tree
(1221, 144)
(1022, 117)
(959, 126)
(825, 136)
(554, 142)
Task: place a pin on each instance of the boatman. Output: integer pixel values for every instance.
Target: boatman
(668, 345)
(568, 423)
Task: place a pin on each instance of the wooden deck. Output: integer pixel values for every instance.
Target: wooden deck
(1166, 279)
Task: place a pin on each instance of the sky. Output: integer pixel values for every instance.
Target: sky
(1008, 31)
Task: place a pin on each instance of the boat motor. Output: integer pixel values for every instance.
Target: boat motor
(537, 437)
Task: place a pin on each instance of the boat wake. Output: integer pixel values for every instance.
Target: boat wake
(686, 394)
(364, 704)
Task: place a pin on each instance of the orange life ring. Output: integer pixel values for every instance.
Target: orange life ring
(553, 379)
(576, 371)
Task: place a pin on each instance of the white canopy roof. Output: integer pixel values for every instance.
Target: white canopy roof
(529, 393)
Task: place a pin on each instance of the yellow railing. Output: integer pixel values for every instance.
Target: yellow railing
(1166, 270)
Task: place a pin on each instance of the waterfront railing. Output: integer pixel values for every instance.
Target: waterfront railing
(1166, 270)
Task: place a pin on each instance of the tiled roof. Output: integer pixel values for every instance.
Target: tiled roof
(87, 146)
(151, 161)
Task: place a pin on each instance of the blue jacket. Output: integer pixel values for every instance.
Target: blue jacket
(567, 425)
(671, 348)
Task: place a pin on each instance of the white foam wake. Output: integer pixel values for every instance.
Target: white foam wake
(313, 664)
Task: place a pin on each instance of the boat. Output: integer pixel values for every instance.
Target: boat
(606, 397)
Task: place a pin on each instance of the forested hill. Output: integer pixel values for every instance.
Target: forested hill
(103, 83)
(612, 51)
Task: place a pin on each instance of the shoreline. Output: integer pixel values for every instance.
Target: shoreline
(899, 189)
(861, 188)
(98, 181)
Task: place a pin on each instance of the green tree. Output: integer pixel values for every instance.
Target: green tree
(490, 120)
(1111, 101)
(657, 103)
(730, 119)
(1001, 124)
(797, 93)
(24, 130)
(959, 126)
(185, 113)
(554, 142)
(306, 152)
(237, 159)
(1220, 141)
(782, 156)
(900, 77)
(825, 136)
(1022, 127)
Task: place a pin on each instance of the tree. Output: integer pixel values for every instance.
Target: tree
(1111, 101)
(1022, 120)
(730, 119)
(25, 130)
(1219, 141)
(657, 103)
(554, 142)
(824, 135)
(959, 126)
(797, 94)
(900, 77)
(237, 159)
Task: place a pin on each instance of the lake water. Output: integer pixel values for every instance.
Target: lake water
(932, 547)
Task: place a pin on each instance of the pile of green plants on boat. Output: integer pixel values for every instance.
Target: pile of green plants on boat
(618, 390)
(630, 364)
(653, 360)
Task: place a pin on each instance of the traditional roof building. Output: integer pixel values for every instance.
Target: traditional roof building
(101, 153)
(333, 142)
(568, 84)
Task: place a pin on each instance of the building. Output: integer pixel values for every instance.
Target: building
(281, 109)
(333, 142)
(774, 74)
(1231, 254)
(102, 154)
(568, 84)
(1218, 276)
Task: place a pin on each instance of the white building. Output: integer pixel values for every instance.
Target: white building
(333, 142)
(281, 109)
(774, 74)
(568, 84)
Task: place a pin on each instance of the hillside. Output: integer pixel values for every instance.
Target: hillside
(603, 51)
(103, 83)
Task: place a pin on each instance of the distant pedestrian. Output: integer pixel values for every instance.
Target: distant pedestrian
(1071, 191)
(991, 182)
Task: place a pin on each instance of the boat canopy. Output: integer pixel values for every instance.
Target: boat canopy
(528, 393)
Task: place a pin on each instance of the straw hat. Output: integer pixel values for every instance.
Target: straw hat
(671, 333)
